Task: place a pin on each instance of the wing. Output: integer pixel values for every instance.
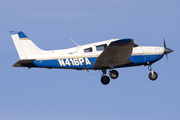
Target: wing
(116, 54)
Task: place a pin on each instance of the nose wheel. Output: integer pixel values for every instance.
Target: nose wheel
(152, 75)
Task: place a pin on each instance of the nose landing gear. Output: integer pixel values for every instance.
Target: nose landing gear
(152, 75)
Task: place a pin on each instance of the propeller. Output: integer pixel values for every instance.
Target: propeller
(166, 50)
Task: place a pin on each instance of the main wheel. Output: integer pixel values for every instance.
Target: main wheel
(153, 76)
(113, 74)
(105, 80)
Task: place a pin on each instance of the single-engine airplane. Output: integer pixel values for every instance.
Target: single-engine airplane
(104, 55)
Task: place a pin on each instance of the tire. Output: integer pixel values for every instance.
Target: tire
(105, 80)
(153, 76)
(113, 74)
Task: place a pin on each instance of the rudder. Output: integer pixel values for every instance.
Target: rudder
(24, 46)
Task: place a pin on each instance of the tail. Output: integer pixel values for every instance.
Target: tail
(25, 47)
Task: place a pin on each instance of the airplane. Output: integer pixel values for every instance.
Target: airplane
(104, 55)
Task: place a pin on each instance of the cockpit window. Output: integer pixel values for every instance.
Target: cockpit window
(135, 45)
(88, 50)
(101, 47)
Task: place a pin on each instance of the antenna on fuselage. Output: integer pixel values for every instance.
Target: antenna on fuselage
(74, 42)
(50, 48)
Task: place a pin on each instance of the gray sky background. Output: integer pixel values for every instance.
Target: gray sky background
(42, 94)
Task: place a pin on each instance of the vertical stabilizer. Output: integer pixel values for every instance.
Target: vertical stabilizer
(25, 47)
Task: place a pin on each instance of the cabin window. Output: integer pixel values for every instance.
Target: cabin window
(101, 47)
(88, 50)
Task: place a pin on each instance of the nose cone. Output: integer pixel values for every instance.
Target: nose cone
(167, 51)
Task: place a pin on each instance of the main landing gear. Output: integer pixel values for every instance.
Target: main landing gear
(105, 79)
(114, 74)
(152, 75)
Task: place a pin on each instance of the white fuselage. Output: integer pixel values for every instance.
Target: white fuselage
(79, 51)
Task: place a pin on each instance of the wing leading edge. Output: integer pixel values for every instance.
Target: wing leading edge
(116, 54)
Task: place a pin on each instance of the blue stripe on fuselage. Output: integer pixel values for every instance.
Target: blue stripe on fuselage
(67, 63)
(80, 63)
(153, 58)
(137, 59)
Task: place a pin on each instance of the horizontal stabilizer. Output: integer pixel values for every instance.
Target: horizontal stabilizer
(23, 63)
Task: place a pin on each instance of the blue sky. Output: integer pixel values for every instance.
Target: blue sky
(42, 94)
